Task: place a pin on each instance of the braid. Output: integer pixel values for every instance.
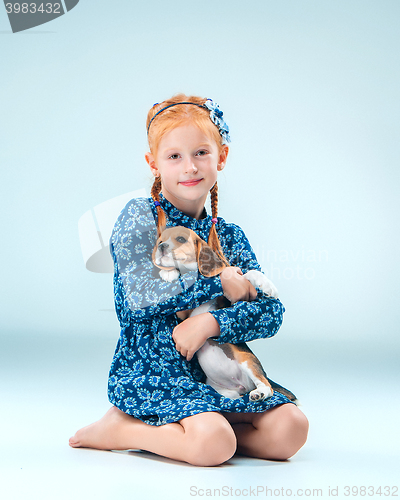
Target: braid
(213, 240)
(155, 190)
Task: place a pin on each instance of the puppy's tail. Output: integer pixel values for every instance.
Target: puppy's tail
(285, 392)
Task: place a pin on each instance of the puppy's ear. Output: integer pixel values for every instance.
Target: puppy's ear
(208, 262)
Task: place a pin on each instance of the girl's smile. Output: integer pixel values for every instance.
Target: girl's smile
(191, 183)
(188, 162)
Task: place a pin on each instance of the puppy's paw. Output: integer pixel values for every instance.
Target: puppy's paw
(169, 275)
(261, 393)
(259, 280)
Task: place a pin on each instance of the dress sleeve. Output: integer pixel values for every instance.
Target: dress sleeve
(139, 291)
(244, 321)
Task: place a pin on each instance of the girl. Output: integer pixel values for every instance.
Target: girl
(160, 401)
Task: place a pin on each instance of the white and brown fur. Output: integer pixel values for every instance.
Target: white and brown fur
(231, 369)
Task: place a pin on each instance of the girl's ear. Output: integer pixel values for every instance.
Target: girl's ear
(223, 156)
(152, 164)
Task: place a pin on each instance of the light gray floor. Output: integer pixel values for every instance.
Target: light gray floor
(51, 386)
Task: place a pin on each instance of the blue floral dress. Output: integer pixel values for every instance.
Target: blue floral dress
(149, 378)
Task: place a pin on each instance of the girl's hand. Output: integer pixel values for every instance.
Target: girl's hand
(192, 333)
(235, 286)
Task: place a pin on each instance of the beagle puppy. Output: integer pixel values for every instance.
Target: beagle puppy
(231, 369)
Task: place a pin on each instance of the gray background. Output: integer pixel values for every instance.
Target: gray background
(310, 90)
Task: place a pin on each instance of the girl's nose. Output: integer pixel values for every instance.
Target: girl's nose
(190, 167)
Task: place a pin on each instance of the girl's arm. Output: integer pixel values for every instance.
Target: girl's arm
(139, 291)
(244, 321)
(192, 333)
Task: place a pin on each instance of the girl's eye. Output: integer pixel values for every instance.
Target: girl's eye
(173, 157)
(202, 152)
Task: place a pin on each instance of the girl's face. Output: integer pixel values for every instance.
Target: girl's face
(188, 161)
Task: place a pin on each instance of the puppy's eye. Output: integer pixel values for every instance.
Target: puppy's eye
(181, 239)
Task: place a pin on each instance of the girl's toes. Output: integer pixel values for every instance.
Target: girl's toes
(74, 442)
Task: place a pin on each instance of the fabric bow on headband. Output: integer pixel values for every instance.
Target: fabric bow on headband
(216, 117)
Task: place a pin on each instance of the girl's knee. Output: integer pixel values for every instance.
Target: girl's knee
(296, 432)
(289, 434)
(213, 448)
(211, 441)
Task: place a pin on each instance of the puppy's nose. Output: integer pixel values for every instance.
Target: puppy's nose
(163, 246)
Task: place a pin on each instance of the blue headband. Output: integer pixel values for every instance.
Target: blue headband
(215, 116)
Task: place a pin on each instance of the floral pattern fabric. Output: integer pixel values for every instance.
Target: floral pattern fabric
(149, 378)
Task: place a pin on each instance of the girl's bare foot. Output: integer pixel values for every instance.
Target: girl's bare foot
(205, 439)
(115, 431)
